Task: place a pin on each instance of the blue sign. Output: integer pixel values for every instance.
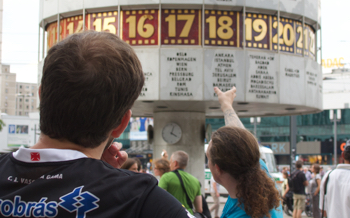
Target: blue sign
(12, 129)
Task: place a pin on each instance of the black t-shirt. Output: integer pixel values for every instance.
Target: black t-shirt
(298, 178)
(80, 188)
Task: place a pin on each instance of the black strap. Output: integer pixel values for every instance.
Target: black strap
(183, 187)
(325, 191)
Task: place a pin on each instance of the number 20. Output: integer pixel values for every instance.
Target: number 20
(283, 30)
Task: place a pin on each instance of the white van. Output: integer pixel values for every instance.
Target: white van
(266, 154)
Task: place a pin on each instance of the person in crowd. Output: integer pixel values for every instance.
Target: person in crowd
(215, 194)
(234, 160)
(161, 166)
(139, 165)
(315, 184)
(336, 201)
(171, 182)
(322, 172)
(307, 173)
(89, 83)
(287, 194)
(131, 164)
(285, 185)
(299, 183)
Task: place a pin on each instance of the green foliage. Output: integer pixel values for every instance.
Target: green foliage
(2, 124)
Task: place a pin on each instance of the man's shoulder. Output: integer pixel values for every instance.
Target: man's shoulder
(189, 175)
(295, 172)
(167, 175)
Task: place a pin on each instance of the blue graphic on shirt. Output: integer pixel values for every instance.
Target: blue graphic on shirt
(82, 203)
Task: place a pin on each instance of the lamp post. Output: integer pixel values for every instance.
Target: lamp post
(335, 116)
(255, 121)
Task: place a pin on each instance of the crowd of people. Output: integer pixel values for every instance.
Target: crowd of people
(89, 83)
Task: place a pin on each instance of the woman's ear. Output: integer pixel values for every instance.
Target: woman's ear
(218, 170)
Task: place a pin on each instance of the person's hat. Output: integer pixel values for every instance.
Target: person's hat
(347, 146)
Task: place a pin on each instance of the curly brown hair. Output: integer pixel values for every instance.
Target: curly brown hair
(236, 151)
(163, 165)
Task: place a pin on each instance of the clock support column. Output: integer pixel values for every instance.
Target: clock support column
(192, 140)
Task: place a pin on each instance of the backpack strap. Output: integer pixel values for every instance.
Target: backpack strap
(183, 187)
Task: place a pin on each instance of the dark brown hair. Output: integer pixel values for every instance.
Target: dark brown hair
(346, 153)
(236, 151)
(163, 165)
(316, 168)
(299, 164)
(128, 163)
(90, 80)
(139, 164)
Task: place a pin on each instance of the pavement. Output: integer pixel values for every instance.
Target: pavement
(222, 204)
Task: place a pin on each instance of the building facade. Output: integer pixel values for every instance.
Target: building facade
(7, 91)
(17, 99)
(315, 136)
(26, 98)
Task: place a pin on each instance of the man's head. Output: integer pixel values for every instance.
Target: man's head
(178, 160)
(299, 164)
(346, 152)
(305, 169)
(90, 81)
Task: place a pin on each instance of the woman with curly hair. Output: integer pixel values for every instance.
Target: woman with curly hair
(161, 166)
(234, 160)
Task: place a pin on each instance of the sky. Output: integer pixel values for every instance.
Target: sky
(21, 23)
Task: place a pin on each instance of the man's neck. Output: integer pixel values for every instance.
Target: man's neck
(47, 142)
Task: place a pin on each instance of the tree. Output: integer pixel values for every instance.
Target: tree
(2, 124)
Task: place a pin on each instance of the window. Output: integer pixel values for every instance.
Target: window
(7, 76)
(20, 106)
(26, 113)
(27, 100)
(27, 87)
(32, 107)
(5, 97)
(32, 100)
(20, 86)
(32, 93)
(27, 107)
(5, 104)
(20, 113)
(6, 90)
(5, 110)
(32, 87)
(20, 100)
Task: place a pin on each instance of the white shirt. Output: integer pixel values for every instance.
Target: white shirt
(337, 200)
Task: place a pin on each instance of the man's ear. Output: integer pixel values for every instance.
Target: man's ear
(123, 124)
(176, 164)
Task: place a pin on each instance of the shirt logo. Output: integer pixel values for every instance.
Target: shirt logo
(79, 202)
(34, 156)
(76, 201)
